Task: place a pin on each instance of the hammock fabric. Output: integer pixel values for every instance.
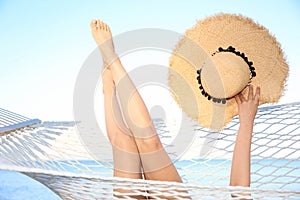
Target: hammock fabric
(53, 154)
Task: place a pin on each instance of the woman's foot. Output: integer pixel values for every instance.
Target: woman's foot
(103, 38)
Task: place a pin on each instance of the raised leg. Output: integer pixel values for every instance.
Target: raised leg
(155, 161)
(127, 163)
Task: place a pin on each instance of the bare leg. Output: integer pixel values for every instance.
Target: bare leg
(155, 161)
(127, 163)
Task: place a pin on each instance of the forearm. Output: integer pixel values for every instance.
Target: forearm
(240, 169)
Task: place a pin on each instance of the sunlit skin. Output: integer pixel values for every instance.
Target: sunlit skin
(134, 140)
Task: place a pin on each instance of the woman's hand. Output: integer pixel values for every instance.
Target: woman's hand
(248, 107)
(240, 168)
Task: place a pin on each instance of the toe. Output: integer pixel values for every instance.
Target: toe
(97, 23)
(100, 24)
(107, 27)
(93, 24)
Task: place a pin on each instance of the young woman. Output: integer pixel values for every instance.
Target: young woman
(137, 150)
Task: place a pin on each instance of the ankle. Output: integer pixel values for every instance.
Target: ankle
(109, 58)
(108, 89)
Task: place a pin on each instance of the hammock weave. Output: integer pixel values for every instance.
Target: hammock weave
(53, 154)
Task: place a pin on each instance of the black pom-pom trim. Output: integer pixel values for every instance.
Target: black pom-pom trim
(232, 50)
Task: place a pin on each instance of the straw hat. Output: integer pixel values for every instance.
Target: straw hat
(217, 59)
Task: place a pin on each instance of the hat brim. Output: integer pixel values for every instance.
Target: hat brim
(225, 30)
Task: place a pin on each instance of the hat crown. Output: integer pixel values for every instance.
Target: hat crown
(220, 35)
(225, 75)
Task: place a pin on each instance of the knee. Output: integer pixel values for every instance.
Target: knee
(149, 144)
(118, 136)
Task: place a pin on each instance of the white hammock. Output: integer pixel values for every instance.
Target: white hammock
(53, 154)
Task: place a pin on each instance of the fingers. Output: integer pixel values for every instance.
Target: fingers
(242, 98)
(252, 96)
(237, 99)
(250, 93)
(257, 94)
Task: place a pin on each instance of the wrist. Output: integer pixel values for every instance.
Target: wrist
(246, 129)
(246, 121)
